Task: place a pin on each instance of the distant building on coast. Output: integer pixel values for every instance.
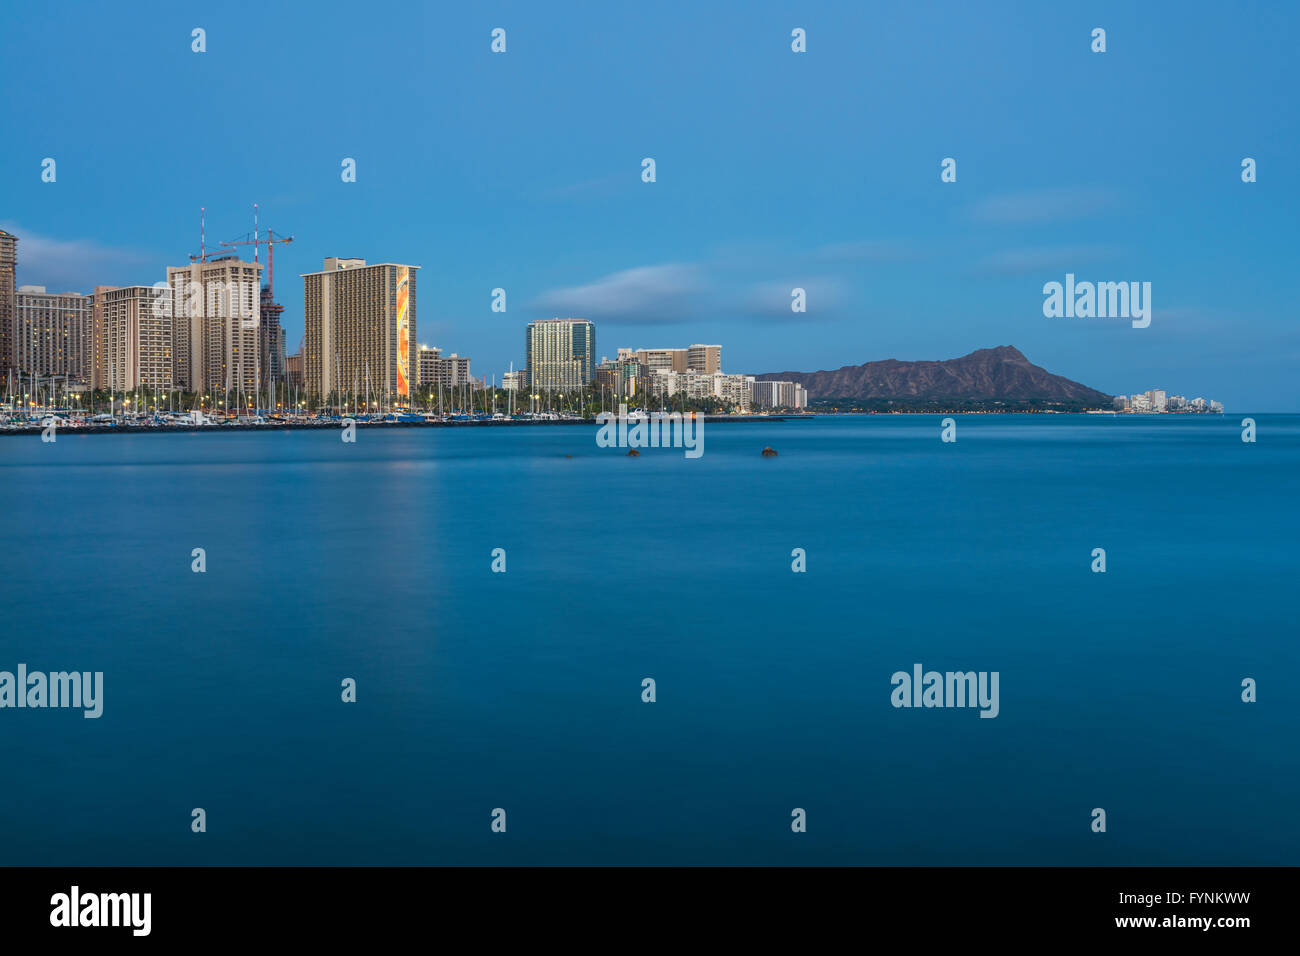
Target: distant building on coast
(734, 389)
(623, 377)
(448, 371)
(427, 360)
(453, 371)
(1156, 402)
(293, 376)
(706, 359)
(560, 353)
(780, 395)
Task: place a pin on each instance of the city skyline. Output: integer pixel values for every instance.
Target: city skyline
(761, 187)
(939, 360)
(669, 370)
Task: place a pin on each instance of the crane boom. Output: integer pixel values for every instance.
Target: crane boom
(269, 242)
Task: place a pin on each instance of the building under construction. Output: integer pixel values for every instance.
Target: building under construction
(272, 337)
(271, 327)
(229, 342)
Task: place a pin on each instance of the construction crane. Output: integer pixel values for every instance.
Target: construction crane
(270, 309)
(204, 255)
(256, 241)
(270, 241)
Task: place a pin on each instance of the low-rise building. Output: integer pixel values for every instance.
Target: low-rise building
(427, 359)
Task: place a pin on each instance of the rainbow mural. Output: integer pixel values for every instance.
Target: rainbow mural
(403, 331)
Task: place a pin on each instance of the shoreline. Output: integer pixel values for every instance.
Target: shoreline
(150, 428)
(159, 429)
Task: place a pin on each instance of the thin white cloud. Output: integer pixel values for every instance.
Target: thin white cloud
(1044, 205)
(651, 294)
(1015, 262)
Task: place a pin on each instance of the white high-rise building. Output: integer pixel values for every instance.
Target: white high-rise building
(776, 395)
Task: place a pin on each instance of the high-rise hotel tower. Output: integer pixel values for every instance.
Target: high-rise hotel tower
(360, 330)
(50, 332)
(8, 306)
(129, 339)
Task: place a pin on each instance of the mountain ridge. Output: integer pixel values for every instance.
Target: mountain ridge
(995, 374)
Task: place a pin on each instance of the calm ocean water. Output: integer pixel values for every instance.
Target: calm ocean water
(523, 690)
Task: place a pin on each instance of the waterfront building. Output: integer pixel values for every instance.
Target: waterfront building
(776, 395)
(780, 395)
(435, 369)
(130, 340)
(664, 360)
(693, 385)
(733, 389)
(623, 377)
(560, 353)
(293, 371)
(427, 360)
(271, 344)
(361, 329)
(8, 311)
(454, 370)
(214, 310)
(49, 332)
(704, 358)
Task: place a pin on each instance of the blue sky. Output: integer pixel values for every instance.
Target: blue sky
(774, 170)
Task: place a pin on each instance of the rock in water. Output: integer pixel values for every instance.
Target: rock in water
(769, 452)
